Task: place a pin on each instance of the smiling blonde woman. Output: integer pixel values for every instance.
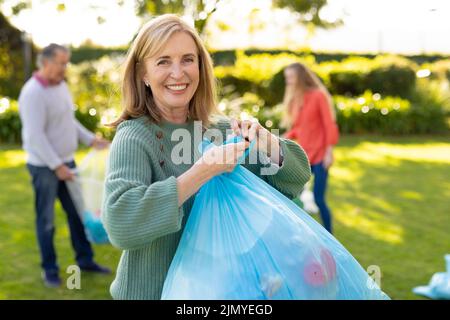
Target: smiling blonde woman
(168, 85)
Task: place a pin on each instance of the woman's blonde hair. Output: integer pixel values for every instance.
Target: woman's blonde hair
(306, 80)
(137, 99)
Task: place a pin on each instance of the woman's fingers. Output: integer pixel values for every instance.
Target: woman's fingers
(225, 157)
(233, 151)
(253, 131)
(235, 126)
(245, 127)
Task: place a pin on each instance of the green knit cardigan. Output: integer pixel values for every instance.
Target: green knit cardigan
(140, 206)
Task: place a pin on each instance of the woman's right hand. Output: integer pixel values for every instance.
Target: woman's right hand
(215, 160)
(223, 158)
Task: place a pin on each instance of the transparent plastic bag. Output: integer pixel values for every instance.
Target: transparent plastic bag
(86, 191)
(307, 198)
(245, 240)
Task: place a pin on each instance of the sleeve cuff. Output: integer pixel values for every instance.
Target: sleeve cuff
(294, 159)
(55, 165)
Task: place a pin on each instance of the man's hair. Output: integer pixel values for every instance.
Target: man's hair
(49, 52)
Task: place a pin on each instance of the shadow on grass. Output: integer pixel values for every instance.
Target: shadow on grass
(389, 211)
(395, 214)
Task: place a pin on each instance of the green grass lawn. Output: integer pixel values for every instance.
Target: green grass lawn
(389, 196)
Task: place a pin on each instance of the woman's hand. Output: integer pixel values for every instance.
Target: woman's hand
(266, 142)
(328, 159)
(223, 158)
(215, 160)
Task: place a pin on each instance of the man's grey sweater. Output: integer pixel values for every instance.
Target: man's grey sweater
(50, 131)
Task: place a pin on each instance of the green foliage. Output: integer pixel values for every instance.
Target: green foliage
(440, 69)
(310, 11)
(258, 68)
(95, 87)
(200, 9)
(228, 57)
(251, 106)
(89, 121)
(372, 113)
(89, 53)
(263, 75)
(96, 84)
(258, 73)
(430, 107)
(389, 75)
(254, 85)
(10, 125)
(275, 89)
(12, 70)
(392, 75)
(365, 114)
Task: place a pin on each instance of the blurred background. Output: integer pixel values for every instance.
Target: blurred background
(386, 63)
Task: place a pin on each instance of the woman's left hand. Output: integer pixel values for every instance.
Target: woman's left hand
(266, 141)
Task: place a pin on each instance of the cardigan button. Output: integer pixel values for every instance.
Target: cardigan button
(161, 147)
(159, 134)
(161, 162)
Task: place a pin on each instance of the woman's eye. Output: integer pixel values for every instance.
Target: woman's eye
(189, 60)
(162, 62)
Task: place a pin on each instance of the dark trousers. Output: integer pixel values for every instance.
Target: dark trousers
(47, 187)
(320, 187)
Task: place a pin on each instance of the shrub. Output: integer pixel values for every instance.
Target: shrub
(430, 107)
(440, 70)
(260, 74)
(367, 113)
(388, 75)
(10, 125)
(251, 106)
(370, 113)
(392, 75)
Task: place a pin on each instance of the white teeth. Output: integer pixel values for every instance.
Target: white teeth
(177, 87)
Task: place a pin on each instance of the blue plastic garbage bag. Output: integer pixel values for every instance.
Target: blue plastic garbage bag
(86, 191)
(245, 240)
(439, 285)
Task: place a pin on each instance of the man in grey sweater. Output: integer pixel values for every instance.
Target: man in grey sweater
(50, 135)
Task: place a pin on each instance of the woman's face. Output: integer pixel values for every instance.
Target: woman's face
(290, 77)
(173, 74)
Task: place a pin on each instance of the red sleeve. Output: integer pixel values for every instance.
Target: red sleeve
(330, 126)
(291, 134)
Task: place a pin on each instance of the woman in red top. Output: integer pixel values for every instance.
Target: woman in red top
(311, 117)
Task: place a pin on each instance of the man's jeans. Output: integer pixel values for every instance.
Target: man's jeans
(47, 187)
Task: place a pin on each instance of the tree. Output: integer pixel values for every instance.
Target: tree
(199, 10)
(12, 64)
(310, 12)
(18, 6)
